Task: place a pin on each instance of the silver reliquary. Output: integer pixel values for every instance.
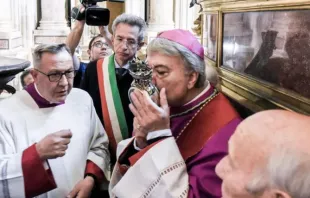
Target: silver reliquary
(142, 76)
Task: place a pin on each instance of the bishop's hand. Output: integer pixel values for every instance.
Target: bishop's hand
(148, 115)
(83, 189)
(54, 145)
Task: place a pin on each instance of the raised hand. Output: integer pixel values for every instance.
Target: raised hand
(104, 31)
(149, 116)
(54, 145)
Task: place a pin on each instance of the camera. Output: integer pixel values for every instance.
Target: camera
(93, 14)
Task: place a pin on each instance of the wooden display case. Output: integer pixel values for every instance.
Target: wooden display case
(261, 50)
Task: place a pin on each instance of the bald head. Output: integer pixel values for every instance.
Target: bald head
(276, 121)
(266, 132)
(275, 128)
(270, 150)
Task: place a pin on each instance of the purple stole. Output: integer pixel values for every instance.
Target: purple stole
(41, 102)
(203, 123)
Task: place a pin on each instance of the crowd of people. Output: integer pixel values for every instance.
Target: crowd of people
(74, 132)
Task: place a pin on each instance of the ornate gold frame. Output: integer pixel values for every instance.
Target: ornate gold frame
(250, 92)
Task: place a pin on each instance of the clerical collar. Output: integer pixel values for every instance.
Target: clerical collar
(194, 103)
(38, 98)
(203, 92)
(126, 66)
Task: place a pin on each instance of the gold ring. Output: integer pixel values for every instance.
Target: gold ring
(138, 126)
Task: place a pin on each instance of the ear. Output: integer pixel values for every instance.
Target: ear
(112, 41)
(279, 194)
(34, 74)
(88, 52)
(193, 77)
(141, 44)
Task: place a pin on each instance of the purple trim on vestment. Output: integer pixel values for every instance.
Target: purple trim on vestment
(178, 123)
(201, 168)
(178, 110)
(204, 183)
(41, 102)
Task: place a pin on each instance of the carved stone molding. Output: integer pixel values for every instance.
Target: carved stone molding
(4, 44)
(53, 26)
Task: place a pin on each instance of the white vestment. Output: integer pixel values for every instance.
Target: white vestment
(23, 123)
(4, 95)
(160, 172)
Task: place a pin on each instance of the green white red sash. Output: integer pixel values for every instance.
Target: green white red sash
(112, 109)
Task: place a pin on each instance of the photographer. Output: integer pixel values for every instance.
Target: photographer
(99, 46)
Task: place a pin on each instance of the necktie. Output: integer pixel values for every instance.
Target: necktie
(120, 72)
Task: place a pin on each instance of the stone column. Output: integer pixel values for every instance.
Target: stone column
(136, 7)
(28, 23)
(160, 17)
(53, 26)
(185, 16)
(6, 16)
(10, 36)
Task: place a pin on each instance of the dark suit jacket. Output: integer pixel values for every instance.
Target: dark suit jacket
(90, 85)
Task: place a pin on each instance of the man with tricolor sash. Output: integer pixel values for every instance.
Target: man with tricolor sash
(178, 142)
(108, 81)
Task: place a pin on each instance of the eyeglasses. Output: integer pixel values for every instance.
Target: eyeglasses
(129, 43)
(100, 45)
(56, 76)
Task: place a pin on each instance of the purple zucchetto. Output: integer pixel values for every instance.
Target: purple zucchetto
(184, 38)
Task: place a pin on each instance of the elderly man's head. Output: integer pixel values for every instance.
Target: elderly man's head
(53, 71)
(128, 34)
(178, 65)
(269, 156)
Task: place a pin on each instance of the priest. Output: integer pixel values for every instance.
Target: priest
(179, 141)
(52, 141)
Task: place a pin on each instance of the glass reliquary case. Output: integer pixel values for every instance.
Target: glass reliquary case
(261, 50)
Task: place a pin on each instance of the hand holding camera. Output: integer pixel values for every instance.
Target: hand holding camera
(91, 13)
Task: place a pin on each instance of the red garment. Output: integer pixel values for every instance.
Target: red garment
(203, 144)
(38, 180)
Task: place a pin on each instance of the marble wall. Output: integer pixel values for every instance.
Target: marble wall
(27, 23)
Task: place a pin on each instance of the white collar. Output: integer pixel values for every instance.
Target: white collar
(35, 86)
(201, 93)
(126, 66)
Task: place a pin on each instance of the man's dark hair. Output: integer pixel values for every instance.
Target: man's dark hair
(47, 48)
(24, 74)
(92, 41)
